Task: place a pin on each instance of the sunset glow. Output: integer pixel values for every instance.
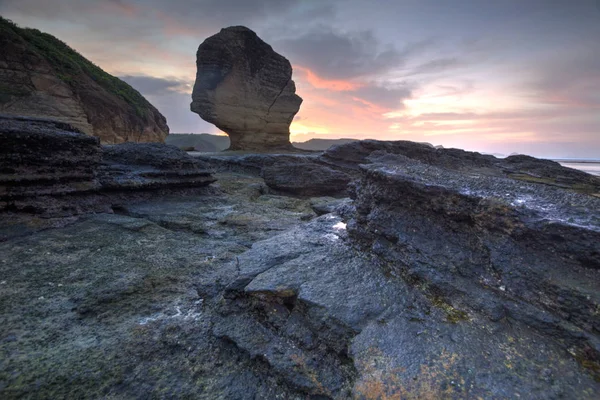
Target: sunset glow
(525, 81)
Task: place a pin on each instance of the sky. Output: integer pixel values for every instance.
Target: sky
(497, 76)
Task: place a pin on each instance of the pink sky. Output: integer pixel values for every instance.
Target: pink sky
(511, 77)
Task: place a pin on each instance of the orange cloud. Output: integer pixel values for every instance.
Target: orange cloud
(372, 107)
(320, 83)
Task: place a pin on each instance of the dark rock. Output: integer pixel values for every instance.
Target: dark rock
(306, 179)
(245, 89)
(309, 291)
(328, 205)
(50, 168)
(298, 174)
(356, 153)
(522, 168)
(150, 166)
(202, 142)
(252, 163)
(549, 172)
(484, 242)
(123, 305)
(447, 277)
(40, 159)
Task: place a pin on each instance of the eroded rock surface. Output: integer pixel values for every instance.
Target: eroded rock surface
(447, 277)
(49, 167)
(294, 174)
(150, 166)
(40, 76)
(307, 179)
(246, 89)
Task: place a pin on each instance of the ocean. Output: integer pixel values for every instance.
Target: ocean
(591, 166)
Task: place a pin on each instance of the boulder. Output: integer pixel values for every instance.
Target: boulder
(252, 163)
(40, 76)
(246, 89)
(306, 179)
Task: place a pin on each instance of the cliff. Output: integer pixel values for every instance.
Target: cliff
(40, 76)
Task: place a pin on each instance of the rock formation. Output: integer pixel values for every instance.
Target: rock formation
(446, 275)
(246, 89)
(306, 179)
(40, 76)
(49, 167)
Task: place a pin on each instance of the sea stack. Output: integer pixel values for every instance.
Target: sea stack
(246, 89)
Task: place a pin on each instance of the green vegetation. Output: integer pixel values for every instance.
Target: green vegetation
(453, 315)
(69, 64)
(579, 187)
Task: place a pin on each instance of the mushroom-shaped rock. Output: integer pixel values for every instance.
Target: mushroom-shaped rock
(246, 89)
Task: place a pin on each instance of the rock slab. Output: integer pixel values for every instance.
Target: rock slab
(49, 167)
(246, 89)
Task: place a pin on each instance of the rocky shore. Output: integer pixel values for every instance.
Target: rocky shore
(374, 270)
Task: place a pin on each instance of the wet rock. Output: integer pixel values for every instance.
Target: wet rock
(308, 290)
(246, 89)
(102, 306)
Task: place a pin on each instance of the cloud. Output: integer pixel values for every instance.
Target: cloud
(385, 96)
(502, 71)
(152, 86)
(570, 80)
(333, 55)
(389, 98)
(221, 11)
(321, 83)
(436, 66)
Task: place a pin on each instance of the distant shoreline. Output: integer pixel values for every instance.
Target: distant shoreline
(578, 160)
(589, 166)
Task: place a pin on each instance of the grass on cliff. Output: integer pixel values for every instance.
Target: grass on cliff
(68, 63)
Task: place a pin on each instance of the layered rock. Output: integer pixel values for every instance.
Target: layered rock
(246, 89)
(296, 174)
(484, 243)
(51, 168)
(150, 166)
(41, 159)
(519, 167)
(308, 179)
(452, 275)
(40, 76)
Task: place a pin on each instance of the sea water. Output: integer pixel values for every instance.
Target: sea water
(591, 166)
